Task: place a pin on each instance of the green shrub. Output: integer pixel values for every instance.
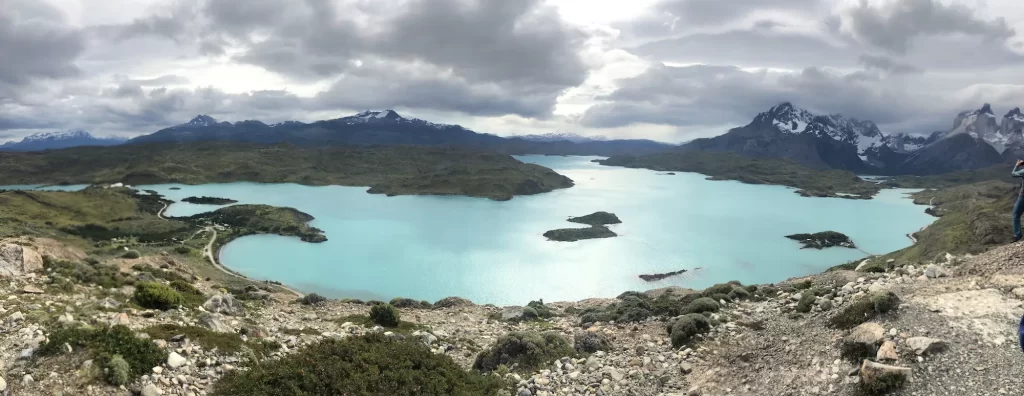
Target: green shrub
(596, 316)
(667, 305)
(543, 311)
(523, 351)
(209, 339)
(885, 383)
(686, 327)
(184, 250)
(636, 294)
(384, 315)
(701, 305)
(369, 365)
(806, 301)
(107, 276)
(117, 371)
(157, 296)
(102, 344)
(590, 342)
(739, 293)
(91, 260)
(192, 296)
(313, 299)
(876, 266)
(399, 302)
(721, 288)
(131, 254)
(863, 309)
(529, 314)
(806, 284)
(633, 308)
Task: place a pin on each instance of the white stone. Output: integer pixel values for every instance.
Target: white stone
(174, 360)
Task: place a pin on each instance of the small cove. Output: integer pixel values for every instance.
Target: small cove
(430, 247)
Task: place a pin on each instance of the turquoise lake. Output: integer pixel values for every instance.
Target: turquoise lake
(430, 247)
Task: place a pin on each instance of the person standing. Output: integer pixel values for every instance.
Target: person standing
(1018, 209)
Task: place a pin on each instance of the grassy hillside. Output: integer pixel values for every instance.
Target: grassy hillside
(100, 212)
(997, 172)
(728, 166)
(386, 170)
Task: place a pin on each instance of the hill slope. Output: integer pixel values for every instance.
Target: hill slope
(399, 170)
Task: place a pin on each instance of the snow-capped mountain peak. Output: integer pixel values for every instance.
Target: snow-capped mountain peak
(201, 120)
(981, 124)
(379, 115)
(790, 119)
(60, 135)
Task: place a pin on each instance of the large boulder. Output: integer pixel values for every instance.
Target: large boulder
(213, 322)
(863, 341)
(16, 260)
(880, 378)
(224, 304)
(925, 345)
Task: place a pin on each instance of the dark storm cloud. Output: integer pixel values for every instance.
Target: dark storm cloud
(748, 47)
(887, 64)
(35, 42)
(894, 25)
(725, 95)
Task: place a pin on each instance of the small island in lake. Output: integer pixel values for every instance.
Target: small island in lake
(658, 277)
(597, 219)
(175, 188)
(577, 234)
(597, 229)
(209, 200)
(823, 240)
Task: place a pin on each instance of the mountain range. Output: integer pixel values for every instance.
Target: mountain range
(387, 127)
(833, 141)
(58, 140)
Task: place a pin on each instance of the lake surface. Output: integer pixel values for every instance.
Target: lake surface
(430, 247)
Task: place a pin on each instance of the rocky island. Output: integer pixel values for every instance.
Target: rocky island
(393, 170)
(658, 277)
(822, 240)
(209, 200)
(597, 221)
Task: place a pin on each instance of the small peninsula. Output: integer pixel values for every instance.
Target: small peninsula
(597, 222)
(728, 166)
(209, 200)
(821, 240)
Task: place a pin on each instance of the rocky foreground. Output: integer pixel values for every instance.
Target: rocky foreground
(953, 333)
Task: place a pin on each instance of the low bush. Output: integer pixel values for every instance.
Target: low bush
(739, 293)
(721, 297)
(543, 311)
(192, 296)
(131, 254)
(385, 315)
(184, 250)
(523, 351)
(107, 276)
(590, 342)
(312, 299)
(865, 308)
(104, 345)
(449, 302)
(594, 316)
(369, 365)
(399, 302)
(157, 296)
(701, 305)
(685, 328)
(721, 288)
(806, 301)
(208, 339)
(118, 372)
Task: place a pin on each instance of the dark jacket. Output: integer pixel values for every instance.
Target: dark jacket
(1020, 331)
(1018, 172)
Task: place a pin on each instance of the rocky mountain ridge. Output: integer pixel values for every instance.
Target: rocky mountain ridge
(57, 140)
(387, 127)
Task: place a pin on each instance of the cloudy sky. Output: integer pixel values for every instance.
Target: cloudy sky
(669, 70)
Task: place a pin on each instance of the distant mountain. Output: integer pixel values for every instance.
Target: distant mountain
(977, 140)
(387, 127)
(785, 131)
(557, 137)
(58, 140)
